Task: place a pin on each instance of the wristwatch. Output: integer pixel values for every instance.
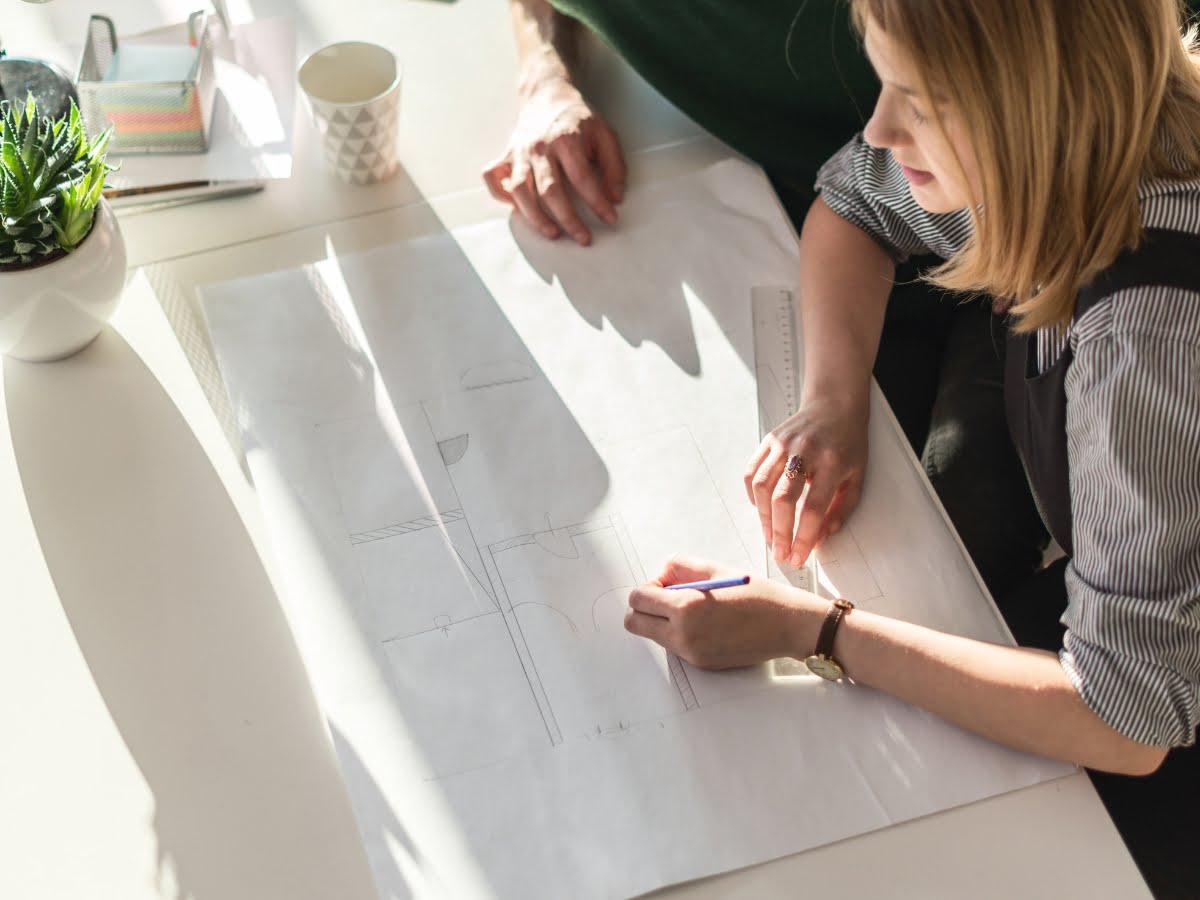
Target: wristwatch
(822, 662)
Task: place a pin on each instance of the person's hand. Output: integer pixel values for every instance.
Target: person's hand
(721, 629)
(560, 151)
(830, 437)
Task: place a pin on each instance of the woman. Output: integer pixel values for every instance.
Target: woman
(1050, 152)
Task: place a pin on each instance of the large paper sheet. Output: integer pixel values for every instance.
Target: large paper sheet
(468, 448)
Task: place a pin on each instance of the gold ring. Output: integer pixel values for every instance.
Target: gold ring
(795, 467)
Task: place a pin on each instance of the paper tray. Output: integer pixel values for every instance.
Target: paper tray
(119, 85)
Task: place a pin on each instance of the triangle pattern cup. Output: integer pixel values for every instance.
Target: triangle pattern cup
(360, 140)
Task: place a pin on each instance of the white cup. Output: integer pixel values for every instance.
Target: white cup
(353, 90)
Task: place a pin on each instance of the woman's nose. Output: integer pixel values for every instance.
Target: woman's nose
(881, 129)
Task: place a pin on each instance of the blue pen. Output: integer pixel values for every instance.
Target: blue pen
(710, 585)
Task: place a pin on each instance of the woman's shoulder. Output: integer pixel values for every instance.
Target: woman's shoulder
(865, 185)
(1155, 293)
(1171, 204)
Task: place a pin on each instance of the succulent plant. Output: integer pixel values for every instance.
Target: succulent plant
(51, 177)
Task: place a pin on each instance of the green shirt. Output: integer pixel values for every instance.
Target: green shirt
(785, 83)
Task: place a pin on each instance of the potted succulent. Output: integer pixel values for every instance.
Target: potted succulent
(62, 258)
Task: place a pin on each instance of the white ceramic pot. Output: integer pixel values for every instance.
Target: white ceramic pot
(53, 310)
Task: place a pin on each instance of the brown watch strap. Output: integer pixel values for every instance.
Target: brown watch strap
(837, 609)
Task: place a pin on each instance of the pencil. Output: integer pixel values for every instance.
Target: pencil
(710, 585)
(113, 193)
(153, 193)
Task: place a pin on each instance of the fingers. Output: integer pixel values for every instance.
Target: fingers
(542, 178)
(652, 600)
(582, 176)
(494, 176)
(764, 449)
(813, 524)
(784, 498)
(552, 189)
(521, 188)
(680, 569)
(843, 504)
(644, 625)
(648, 614)
(824, 494)
(734, 627)
(762, 487)
(609, 158)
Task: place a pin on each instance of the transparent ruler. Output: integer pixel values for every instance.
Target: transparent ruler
(777, 374)
(776, 355)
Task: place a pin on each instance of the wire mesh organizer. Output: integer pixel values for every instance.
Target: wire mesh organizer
(158, 96)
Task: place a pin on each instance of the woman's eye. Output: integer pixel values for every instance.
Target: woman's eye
(918, 117)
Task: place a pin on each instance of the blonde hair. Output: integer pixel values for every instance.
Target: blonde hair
(1068, 105)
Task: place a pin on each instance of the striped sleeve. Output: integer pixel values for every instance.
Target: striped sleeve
(866, 187)
(1132, 647)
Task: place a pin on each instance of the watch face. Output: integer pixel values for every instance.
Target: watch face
(825, 667)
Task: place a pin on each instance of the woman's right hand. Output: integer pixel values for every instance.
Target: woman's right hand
(560, 150)
(829, 434)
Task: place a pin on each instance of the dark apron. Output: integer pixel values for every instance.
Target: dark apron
(1036, 403)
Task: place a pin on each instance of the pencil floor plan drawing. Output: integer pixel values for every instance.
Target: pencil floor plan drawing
(438, 595)
(468, 448)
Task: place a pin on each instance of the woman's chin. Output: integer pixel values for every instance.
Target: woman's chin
(931, 198)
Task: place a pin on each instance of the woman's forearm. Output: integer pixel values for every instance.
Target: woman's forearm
(1014, 695)
(547, 43)
(845, 280)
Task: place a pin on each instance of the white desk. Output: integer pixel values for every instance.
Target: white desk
(160, 736)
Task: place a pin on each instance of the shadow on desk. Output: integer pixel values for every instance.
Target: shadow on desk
(661, 269)
(643, 303)
(181, 630)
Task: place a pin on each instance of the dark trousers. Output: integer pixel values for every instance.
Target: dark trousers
(943, 379)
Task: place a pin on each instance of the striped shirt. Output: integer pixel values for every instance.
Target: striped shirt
(1132, 647)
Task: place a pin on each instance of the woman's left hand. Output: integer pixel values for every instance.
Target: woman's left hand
(735, 626)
